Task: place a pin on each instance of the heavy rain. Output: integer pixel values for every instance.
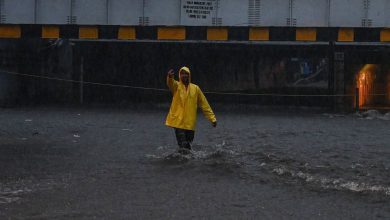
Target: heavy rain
(215, 118)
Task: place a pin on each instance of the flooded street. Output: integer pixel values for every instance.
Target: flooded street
(121, 164)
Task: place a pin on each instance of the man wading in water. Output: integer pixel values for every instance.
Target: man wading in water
(182, 114)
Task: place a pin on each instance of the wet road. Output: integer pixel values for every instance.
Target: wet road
(120, 164)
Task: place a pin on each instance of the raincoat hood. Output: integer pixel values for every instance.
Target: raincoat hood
(186, 69)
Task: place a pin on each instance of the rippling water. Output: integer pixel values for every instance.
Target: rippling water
(107, 164)
(357, 178)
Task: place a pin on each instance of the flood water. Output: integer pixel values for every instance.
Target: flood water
(59, 163)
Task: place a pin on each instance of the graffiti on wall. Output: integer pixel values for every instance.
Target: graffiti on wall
(303, 72)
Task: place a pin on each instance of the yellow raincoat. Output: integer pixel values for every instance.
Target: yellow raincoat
(185, 102)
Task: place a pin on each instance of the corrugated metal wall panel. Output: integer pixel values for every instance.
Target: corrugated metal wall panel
(377, 13)
(310, 13)
(90, 12)
(53, 12)
(125, 12)
(18, 11)
(274, 13)
(267, 13)
(346, 13)
(232, 13)
(387, 15)
(159, 12)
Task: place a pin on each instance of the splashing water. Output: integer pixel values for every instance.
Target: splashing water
(227, 156)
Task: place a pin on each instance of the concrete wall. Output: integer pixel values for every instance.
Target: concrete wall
(215, 67)
(35, 57)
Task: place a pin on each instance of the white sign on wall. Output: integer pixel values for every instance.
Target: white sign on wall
(198, 12)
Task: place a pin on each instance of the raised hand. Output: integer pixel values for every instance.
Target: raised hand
(171, 73)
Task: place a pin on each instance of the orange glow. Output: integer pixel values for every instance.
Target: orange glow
(365, 83)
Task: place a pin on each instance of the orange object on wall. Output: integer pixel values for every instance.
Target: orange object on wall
(365, 83)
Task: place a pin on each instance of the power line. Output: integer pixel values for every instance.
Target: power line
(166, 90)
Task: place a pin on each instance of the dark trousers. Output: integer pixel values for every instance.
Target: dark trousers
(184, 138)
